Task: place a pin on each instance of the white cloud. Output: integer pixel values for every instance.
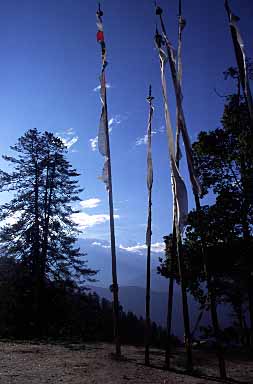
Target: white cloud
(144, 140)
(139, 248)
(115, 120)
(135, 248)
(90, 203)
(69, 142)
(69, 131)
(157, 247)
(96, 89)
(94, 143)
(141, 140)
(84, 220)
(66, 138)
(98, 244)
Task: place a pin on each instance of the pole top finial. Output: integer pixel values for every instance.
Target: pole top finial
(150, 97)
(180, 8)
(99, 11)
(158, 10)
(227, 6)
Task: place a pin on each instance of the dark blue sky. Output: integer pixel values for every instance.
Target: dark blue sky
(50, 65)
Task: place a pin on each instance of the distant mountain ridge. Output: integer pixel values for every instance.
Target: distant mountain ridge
(131, 267)
(133, 299)
(132, 285)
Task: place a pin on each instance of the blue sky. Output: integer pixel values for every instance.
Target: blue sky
(50, 65)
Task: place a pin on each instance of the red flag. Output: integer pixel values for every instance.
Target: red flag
(100, 36)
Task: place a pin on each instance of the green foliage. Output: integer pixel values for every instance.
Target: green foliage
(43, 187)
(168, 266)
(38, 234)
(221, 233)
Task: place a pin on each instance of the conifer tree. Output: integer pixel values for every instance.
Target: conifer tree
(37, 228)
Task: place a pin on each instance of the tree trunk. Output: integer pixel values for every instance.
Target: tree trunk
(213, 306)
(246, 238)
(216, 327)
(250, 294)
(49, 187)
(36, 250)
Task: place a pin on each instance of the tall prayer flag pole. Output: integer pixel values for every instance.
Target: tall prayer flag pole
(240, 58)
(181, 25)
(104, 149)
(179, 198)
(149, 224)
(178, 93)
(181, 126)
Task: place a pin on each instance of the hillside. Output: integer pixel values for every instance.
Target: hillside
(133, 299)
(131, 279)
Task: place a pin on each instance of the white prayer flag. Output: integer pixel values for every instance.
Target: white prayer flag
(149, 155)
(178, 186)
(240, 57)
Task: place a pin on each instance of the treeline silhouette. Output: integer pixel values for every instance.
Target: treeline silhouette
(218, 238)
(71, 312)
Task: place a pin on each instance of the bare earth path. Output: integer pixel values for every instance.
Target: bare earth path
(24, 363)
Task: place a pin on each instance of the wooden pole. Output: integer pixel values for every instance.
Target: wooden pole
(148, 321)
(174, 237)
(209, 279)
(241, 65)
(114, 286)
(169, 321)
(188, 341)
(149, 232)
(186, 317)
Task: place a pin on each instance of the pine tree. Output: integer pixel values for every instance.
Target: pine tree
(37, 226)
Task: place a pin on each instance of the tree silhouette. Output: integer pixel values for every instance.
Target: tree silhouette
(37, 227)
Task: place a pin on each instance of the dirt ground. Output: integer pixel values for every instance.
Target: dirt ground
(26, 363)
